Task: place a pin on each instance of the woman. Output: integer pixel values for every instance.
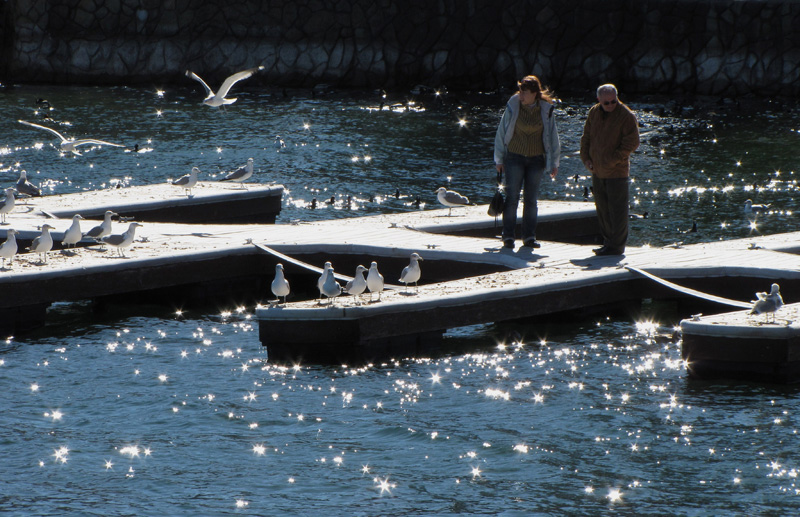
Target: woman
(525, 146)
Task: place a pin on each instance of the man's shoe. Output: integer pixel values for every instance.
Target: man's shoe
(508, 244)
(532, 244)
(599, 251)
(608, 251)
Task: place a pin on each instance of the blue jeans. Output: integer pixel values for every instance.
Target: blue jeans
(522, 171)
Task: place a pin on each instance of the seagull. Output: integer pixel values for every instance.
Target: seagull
(411, 272)
(68, 145)
(374, 280)
(751, 210)
(26, 187)
(8, 204)
(9, 248)
(123, 240)
(322, 278)
(358, 284)
(73, 234)
(43, 243)
(241, 174)
(103, 229)
(451, 198)
(218, 99)
(331, 287)
(280, 286)
(188, 181)
(768, 303)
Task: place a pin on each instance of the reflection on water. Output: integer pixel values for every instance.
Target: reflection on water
(183, 413)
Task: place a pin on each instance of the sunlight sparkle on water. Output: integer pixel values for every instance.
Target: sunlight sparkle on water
(614, 495)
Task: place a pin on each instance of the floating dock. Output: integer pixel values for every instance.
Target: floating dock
(740, 345)
(209, 202)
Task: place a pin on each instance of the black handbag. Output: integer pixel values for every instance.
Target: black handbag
(498, 201)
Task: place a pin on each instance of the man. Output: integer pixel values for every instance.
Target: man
(610, 135)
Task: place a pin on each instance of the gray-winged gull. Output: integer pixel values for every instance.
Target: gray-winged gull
(374, 281)
(768, 303)
(241, 174)
(411, 273)
(331, 287)
(7, 205)
(358, 284)
(218, 99)
(9, 248)
(103, 229)
(73, 234)
(280, 286)
(26, 187)
(323, 277)
(752, 210)
(122, 240)
(43, 243)
(68, 145)
(187, 181)
(451, 198)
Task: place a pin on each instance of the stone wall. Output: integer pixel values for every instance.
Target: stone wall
(672, 46)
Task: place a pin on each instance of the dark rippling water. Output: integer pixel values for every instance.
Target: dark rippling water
(146, 414)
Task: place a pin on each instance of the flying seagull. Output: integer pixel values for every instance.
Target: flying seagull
(451, 198)
(218, 99)
(68, 145)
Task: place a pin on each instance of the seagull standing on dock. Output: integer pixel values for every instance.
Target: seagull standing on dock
(374, 281)
(768, 303)
(103, 229)
(451, 198)
(9, 248)
(27, 188)
(73, 234)
(218, 99)
(411, 273)
(123, 240)
(331, 287)
(322, 278)
(280, 286)
(68, 145)
(8, 204)
(241, 174)
(43, 243)
(188, 181)
(358, 284)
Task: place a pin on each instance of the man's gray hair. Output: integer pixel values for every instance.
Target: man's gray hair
(606, 88)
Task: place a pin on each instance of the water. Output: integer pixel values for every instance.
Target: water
(146, 413)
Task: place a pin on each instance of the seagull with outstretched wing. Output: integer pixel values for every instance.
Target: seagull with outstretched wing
(68, 145)
(218, 99)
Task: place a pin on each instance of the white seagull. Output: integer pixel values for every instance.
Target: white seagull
(280, 286)
(358, 284)
(374, 280)
(218, 99)
(68, 145)
(331, 287)
(27, 188)
(768, 303)
(43, 243)
(451, 198)
(7, 205)
(9, 248)
(241, 174)
(103, 229)
(411, 272)
(187, 181)
(323, 277)
(752, 210)
(122, 240)
(73, 234)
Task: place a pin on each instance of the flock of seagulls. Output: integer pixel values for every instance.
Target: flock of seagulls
(364, 280)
